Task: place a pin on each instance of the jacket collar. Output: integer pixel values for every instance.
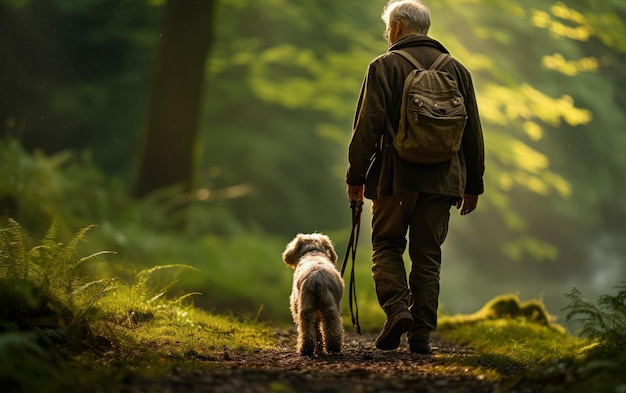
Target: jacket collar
(412, 39)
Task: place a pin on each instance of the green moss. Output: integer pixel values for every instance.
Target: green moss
(510, 337)
(506, 307)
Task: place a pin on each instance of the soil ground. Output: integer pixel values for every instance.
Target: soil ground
(359, 368)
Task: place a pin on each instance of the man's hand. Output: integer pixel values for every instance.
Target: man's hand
(467, 204)
(355, 194)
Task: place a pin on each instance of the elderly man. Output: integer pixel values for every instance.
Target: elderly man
(409, 197)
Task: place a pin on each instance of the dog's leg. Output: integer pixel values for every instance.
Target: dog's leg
(333, 330)
(319, 338)
(295, 310)
(306, 333)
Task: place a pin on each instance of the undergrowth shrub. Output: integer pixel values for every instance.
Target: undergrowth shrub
(57, 314)
(48, 288)
(66, 188)
(237, 259)
(46, 283)
(49, 285)
(131, 304)
(605, 322)
(47, 306)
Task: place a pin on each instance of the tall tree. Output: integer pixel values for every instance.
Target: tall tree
(168, 154)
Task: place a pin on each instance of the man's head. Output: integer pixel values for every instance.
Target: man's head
(403, 17)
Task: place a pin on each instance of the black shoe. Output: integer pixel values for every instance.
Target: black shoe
(393, 330)
(420, 348)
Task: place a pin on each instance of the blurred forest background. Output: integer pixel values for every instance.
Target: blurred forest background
(209, 133)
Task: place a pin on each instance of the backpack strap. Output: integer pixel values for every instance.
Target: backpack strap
(438, 64)
(441, 61)
(417, 65)
(410, 58)
(391, 131)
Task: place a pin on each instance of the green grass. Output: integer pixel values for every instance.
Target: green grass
(502, 343)
(183, 332)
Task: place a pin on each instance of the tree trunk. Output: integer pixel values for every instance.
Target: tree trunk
(168, 155)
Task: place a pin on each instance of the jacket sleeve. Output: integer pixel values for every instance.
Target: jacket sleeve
(473, 144)
(368, 127)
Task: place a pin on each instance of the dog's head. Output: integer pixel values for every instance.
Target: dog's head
(304, 243)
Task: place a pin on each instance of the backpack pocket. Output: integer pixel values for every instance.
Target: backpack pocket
(435, 140)
(436, 107)
(434, 129)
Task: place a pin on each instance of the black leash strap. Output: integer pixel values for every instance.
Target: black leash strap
(352, 243)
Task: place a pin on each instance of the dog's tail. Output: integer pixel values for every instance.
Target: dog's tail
(323, 290)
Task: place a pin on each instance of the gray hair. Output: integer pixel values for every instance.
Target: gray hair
(413, 15)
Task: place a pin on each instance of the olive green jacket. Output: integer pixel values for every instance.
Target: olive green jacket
(372, 159)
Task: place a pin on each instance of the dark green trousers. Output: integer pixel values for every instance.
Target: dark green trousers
(425, 218)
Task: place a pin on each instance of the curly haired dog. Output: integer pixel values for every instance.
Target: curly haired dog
(316, 293)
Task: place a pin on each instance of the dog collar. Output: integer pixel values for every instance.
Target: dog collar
(309, 249)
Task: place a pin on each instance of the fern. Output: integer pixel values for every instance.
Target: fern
(14, 263)
(47, 286)
(153, 283)
(604, 322)
(45, 280)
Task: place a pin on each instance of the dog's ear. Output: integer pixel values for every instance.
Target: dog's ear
(290, 255)
(330, 250)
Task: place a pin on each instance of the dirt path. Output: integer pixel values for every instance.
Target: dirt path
(359, 368)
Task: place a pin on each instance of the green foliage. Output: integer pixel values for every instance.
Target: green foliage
(67, 188)
(47, 309)
(49, 285)
(538, 117)
(605, 323)
(55, 318)
(234, 262)
(50, 280)
(136, 302)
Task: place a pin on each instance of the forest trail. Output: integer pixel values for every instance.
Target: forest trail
(360, 367)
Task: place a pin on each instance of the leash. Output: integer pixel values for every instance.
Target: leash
(352, 243)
